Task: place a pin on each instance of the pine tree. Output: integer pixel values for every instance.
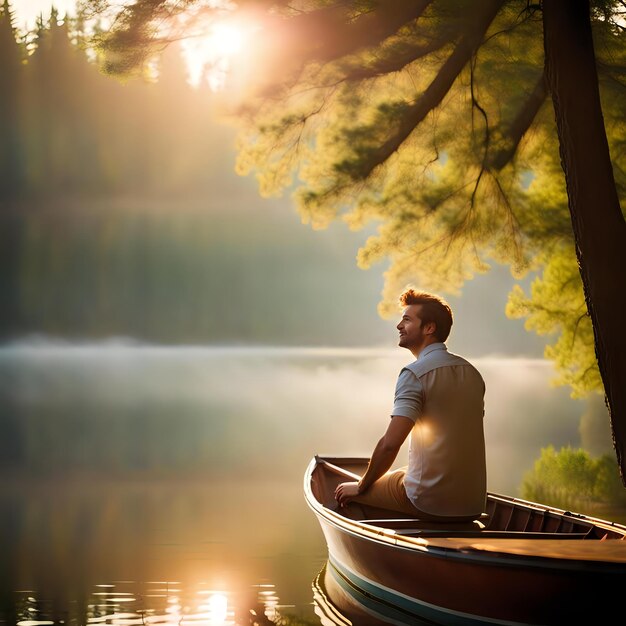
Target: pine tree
(11, 74)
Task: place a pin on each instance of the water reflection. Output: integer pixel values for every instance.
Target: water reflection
(210, 548)
(128, 603)
(338, 603)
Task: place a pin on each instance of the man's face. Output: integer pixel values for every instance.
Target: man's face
(413, 334)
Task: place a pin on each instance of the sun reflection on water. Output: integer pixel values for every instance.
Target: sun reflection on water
(157, 602)
(218, 608)
(164, 604)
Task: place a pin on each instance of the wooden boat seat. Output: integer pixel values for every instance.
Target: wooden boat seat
(416, 523)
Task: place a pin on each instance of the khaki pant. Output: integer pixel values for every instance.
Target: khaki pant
(388, 492)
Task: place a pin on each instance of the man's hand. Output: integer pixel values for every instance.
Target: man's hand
(383, 457)
(346, 492)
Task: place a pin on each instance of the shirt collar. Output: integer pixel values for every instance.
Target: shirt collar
(433, 347)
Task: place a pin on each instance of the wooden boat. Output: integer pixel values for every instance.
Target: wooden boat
(521, 563)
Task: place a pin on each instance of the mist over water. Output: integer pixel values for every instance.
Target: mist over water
(159, 411)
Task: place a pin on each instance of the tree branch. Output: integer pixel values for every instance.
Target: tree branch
(413, 114)
(329, 33)
(520, 125)
(397, 62)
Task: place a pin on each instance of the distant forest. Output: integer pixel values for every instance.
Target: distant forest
(65, 128)
(121, 214)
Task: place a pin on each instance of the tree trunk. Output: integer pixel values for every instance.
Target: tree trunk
(597, 220)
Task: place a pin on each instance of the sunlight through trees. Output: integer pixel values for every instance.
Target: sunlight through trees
(433, 120)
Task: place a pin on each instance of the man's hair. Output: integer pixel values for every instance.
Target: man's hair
(434, 309)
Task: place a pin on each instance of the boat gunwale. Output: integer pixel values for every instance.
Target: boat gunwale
(427, 547)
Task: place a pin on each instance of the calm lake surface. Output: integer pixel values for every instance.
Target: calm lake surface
(163, 485)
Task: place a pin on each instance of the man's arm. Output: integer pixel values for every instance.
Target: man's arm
(382, 459)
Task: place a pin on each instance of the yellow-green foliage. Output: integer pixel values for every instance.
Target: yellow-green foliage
(445, 201)
(556, 306)
(570, 478)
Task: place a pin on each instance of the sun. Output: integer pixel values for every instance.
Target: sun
(210, 56)
(227, 39)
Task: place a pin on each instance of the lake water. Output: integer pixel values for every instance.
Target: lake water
(163, 485)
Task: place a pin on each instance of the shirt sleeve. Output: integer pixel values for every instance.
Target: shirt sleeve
(408, 398)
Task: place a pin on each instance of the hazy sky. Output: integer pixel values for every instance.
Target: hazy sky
(26, 11)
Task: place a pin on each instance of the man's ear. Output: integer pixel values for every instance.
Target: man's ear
(430, 328)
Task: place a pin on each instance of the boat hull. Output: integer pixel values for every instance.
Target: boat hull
(462, 584)
(339, 603)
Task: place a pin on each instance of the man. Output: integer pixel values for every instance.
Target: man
(439, 402)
